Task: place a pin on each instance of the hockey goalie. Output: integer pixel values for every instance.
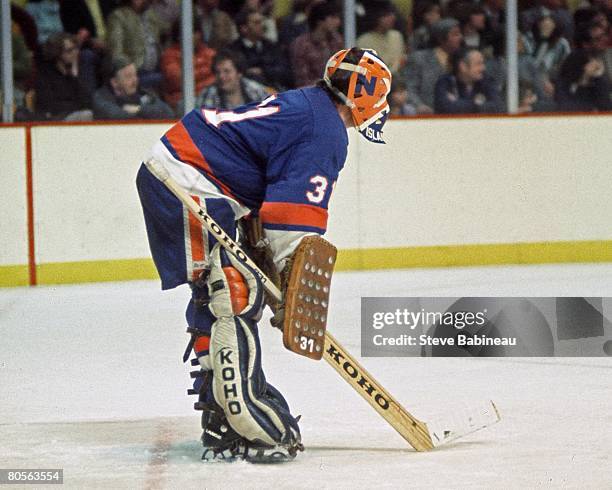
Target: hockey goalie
(265, 173)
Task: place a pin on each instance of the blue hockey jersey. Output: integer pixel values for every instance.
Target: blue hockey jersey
(280, 157)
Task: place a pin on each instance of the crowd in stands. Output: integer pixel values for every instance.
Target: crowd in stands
(78, 60)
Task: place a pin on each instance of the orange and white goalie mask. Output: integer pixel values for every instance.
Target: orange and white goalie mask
(360, 78)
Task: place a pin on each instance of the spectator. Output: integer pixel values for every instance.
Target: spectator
(595, 15)
(22, 72)
(264, 59)
(495, 14)
(547, 48)
(134, 33)
(310, 51)
(593, 36)
(86, 20)
(231, 89)
(553, 8)
(265, 8)
(473, 23)
(27, 27)
(46, 14)
(426, 66)
(172, 70)
(529, 75)
(295, 24)
(582, 84)
(122, 98)
(528, 98)
(168, 12)
(466, 90)
(60, 93)
(425, 14)
(218, 28)
(383, 39)
(398, 100)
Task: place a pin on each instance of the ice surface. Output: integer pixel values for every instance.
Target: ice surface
(92, 382)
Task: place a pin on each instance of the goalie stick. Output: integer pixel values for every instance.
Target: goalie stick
(420, 435)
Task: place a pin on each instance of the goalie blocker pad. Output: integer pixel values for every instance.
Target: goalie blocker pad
(307, 297)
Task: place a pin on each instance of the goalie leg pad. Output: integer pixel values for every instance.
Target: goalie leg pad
(254, 410)
(235, 288)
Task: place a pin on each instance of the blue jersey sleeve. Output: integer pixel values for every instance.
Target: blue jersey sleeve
(298, 199)
(300, 178)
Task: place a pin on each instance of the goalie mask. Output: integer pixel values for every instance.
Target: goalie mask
(362, 81)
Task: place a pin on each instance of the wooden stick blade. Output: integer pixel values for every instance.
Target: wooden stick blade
(420, 435)
(463, 422)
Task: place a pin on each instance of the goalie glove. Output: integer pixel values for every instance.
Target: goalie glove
(306, 280)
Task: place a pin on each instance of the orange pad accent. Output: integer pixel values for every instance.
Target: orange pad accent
(239, 291)
(202, 343)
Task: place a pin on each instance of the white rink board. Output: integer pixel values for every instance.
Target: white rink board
(13, 198)
(492, 180)
(86, 205)
(436, 182)
(343, 221)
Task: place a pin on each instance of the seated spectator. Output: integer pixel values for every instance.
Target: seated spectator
(265, 8)
(60, 92)
(86, 20)
(231, 89)
(383, 39)
(555, 9)
(218, 28)
(295, 24)
(22, 73)
(495, 15)
(172, 68)
(466, 90)
(310, 51)
(425, 14)
(122, 98)
(582, 84)
(426, 66)
(46, 14)
(593, 36)
(134, 33)
(398, 100)
(264, 59)
(528, 98)
(168, 12)
(545, 45)
(529, 76)
(600, 15)
(27, 27)
(473, 23)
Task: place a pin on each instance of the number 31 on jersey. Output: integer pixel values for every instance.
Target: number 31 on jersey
(317, 195)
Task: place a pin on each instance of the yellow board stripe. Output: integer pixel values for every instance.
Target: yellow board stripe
(14, 275)
(475, 255)
(95, 271)
(348, 259)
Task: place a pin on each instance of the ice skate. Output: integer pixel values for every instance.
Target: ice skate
(222, 443)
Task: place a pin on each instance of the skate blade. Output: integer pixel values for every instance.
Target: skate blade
(276, 455)
(269, 455)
